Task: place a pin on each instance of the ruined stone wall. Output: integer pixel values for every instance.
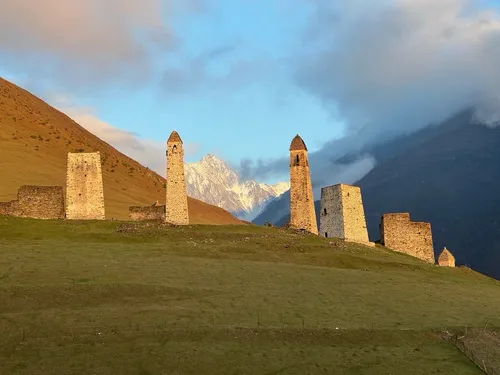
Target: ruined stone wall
(84, 187)
(400, 234)
(176, 194)
(342, 214)
(302, 214)
(138, 213)
(41, 202)
(10, 208)
(36, 202)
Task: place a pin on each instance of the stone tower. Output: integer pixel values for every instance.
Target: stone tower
(84, 187)
(446, 259)
(302, 214)
(176, 202)
(342, 214)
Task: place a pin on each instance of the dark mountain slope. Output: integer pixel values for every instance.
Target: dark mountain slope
(450, 180)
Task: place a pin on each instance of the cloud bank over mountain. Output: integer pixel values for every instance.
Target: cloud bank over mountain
(390, 67)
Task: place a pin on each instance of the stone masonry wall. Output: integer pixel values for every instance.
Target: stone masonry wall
(41, 202)
(342, 214)
(331, 222)
(84, 187)
(176, 194)
(37, 202)
(138, 213)
(446, 259)
(400, 234)
(10, 208)
(302, 213)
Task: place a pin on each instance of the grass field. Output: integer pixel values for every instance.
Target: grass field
(126, 298)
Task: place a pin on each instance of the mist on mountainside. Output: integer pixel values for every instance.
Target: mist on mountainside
(390, 68)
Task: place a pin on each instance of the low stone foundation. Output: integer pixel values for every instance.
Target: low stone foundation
(37, 202)
(141, 213)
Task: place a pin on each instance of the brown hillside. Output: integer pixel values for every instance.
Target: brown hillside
(35, 139)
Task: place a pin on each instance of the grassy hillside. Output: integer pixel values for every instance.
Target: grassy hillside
(139, 298)
(35, 139)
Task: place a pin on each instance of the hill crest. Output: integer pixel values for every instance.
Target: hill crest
(35, 139)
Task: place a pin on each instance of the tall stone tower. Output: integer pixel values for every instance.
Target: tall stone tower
(302, 214)
(84, 187)
(342, 214)
(176, 202)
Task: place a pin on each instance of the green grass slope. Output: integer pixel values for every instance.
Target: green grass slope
(139, 298)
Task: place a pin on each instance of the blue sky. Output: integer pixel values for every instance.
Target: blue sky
(252, 111)
(239, 78)
(256, 118)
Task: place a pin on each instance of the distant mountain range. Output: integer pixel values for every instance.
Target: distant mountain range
(446, 174)
(213, 181)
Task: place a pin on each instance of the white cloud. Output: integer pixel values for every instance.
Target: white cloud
(83, 41)
(392, 66)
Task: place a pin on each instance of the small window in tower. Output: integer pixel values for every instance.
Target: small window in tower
(174, 148)
(297, 160)
(324, 211)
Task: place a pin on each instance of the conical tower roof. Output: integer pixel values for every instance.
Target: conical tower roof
(174, 137)
(298, 144)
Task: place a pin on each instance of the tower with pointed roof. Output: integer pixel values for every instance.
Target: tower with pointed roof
(302, 213)
(176, 195)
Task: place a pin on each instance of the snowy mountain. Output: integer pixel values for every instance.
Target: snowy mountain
(213, 181)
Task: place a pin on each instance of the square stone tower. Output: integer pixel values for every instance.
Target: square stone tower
(342, 214)
(176, 200)
(84, 187)
(302, 213)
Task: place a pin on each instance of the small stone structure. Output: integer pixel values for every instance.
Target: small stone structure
(84, 187)
(342, 214)
(176, 193)
(37, 202)
(398, 233)
(139, 213)
(446, 258)
(10, 208)
(302, 213)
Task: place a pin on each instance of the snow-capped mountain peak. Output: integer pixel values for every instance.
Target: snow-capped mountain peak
(214, 181)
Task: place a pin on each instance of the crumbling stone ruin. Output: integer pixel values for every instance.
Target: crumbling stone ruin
(446, 258)
(398, 233)
(37, 202)
(176, 194)
(84, 187)
(342, 214)
(302, 214)
(155, 212)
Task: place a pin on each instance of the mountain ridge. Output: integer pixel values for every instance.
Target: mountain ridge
(214, 181)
